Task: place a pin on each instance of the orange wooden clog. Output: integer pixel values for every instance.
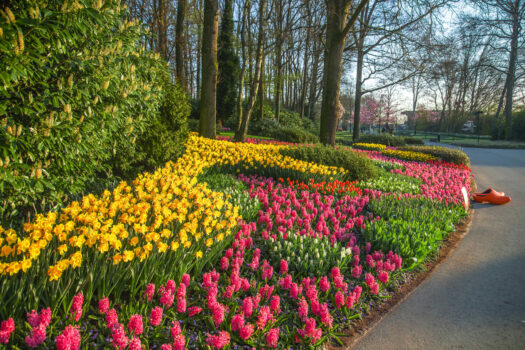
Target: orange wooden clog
(489, 190)
(491, 196)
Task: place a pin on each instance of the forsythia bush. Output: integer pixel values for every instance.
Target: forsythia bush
(75, 88)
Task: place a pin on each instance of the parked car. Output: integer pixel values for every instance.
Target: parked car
(469, 126)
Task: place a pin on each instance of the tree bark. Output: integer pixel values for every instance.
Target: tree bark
(209, 69)
(179, 43)
(511, 75)
(278, 58)
(243, 68)
(358, 93)
(336, 30)
(240, 135)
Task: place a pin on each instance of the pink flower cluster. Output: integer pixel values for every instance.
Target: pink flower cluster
(39, 324)
(6, 328)
(69, 339)
(310, 214)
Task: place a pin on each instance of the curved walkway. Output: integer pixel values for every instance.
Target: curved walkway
(476, 298)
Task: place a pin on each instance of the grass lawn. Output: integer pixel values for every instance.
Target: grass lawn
(232, 133)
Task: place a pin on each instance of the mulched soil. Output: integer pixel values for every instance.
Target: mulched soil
(361, 327)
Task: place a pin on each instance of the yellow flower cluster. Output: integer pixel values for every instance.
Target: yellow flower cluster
(159, 212)
(408, 155)
(369, 146)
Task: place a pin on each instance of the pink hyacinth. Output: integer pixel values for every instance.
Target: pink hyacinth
(275, 304)
(374, 288)
(36, 337)
(335, 272)
(171, 286)
(356, 271)
(186, 279)
(181, 304)
(45, 317)
(103, 305)
(324, 284)
(224, 263)
(33, 319)
(218, 341)
(69, 339)
(194, 310)
(111, 318)
(264, 317)
(6, 328)
(218, 314)
(179, 342)
(237, 322)
(135, 324)
(339, 299)
(150, 291)
(175, 329)
(383, 277)
(76, 307)
(247, 306)
(284, 266)
(135, 344)
(118, 337)
(303, 309)
(272, 337)
(166, 347)
(294, 291)
(167, 299)
(155, 317)
(369, 279)
(246, 331)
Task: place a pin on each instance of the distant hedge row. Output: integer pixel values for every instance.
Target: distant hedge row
(79, 99)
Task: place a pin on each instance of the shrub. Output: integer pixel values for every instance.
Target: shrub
(193, 125)
(75, 85)
(358, 166)
(164, 139)
(294, 134)
(383, 139)
(449, 155)
(409, 140)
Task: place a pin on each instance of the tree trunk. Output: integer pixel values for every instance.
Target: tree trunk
(261, 90)
(278, 58)
(511, 76)
(179, 42)
(337, 12)
(243, 69)
(358, 92)
(312, 99)
(163, 28)
(240, 135)
(305, 60)
(209, 69)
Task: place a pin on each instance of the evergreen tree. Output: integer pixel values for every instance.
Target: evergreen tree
(228, 67)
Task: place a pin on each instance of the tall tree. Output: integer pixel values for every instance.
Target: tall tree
(337, 28)
(506, 18)
(240, 134)
(209, 69)
(228, 67)
(179, 41)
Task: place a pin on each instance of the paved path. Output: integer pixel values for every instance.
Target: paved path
(476, 298)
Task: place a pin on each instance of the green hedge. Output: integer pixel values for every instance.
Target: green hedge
(358, 166)
(445, 154)
(294, 134)
(383, 139)
(409, 140)
(77, 92)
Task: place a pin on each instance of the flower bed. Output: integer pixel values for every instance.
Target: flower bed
(183, 269)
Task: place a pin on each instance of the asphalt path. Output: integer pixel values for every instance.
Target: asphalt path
(476, 298)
